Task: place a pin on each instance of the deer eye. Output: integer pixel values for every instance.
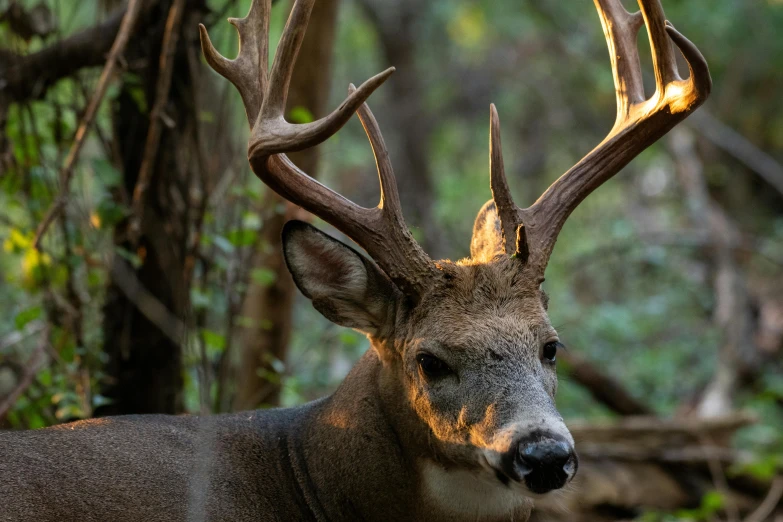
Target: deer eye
(432, 366)
(550, 351)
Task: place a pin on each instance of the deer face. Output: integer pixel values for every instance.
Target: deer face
(479, 372)
(473, 359)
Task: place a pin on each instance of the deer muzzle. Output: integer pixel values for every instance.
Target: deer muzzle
(542, 461)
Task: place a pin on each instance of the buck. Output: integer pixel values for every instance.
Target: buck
(451, 414)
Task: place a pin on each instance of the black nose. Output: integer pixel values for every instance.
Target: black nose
(545, 464)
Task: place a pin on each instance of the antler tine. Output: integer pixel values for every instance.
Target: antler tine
(514, 237)
(620, 30)
(699, 82)
(664, 62)
(248, 71)
(640, 121)
(390, 243)
(274, 135)
(285, 58)
(390, 195)
(381, 230)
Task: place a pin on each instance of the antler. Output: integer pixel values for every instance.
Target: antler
(381, 231)
(532, 232)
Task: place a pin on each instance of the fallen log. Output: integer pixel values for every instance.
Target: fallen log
(640, 464)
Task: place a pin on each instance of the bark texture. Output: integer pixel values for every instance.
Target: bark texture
(144, 368)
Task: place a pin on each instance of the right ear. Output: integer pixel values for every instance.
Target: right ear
(347, 288)
(487, 240)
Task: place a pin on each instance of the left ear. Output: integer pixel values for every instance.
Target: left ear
(487, 240)
(347, 288)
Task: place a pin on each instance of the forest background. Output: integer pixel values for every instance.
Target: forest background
(144, 273)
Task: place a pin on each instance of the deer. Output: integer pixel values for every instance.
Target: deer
(450, 414)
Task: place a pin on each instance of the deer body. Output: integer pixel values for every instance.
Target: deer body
(339, 458)
(450, 415)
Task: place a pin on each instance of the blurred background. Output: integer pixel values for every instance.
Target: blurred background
(141, 263)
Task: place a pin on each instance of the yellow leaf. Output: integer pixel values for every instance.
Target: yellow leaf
(468, 27)
(18, 241)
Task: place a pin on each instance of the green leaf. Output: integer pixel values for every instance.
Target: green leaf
(300, 114)
(45, 377)
(242, 237)
(349, 338)
(36, 421)
(263, 276)
(109, 213)
(244, 321)
(138, 96)
(712, 502)
(129, 256)
(106, 172)
(26, 316)
(213, 339)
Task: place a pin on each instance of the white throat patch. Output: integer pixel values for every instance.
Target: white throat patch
(474, 494)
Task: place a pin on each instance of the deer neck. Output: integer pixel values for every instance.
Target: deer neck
(354, 458)
(367, 457)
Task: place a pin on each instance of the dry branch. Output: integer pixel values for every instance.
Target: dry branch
(741, 148)
(603, 387)
(165, 71)
(770, 502)
(649, 463)
(28, 77)
(31, 370)
(117, 49)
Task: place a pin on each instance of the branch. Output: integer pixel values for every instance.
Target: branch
(165, 71)
(604, 388)
(149, 306)
(28, 77)
(770, 502)
(738, 146)
(31, 370)
(117, 48)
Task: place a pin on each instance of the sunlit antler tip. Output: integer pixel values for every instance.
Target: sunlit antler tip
(493, 114)
(700, 72)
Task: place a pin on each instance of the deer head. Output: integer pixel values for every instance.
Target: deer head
(467, 349)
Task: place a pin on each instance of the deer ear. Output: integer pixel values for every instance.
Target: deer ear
(347, 288)
(487, 240)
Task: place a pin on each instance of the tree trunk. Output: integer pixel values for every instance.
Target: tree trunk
(144, 364)
(271, 306)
